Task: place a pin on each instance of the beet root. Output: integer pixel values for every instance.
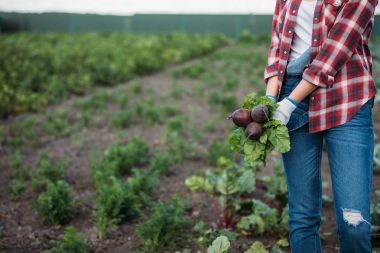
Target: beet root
(260, 113)
(253, 130)
(241, 117)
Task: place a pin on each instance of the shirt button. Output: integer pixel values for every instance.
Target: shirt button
(281, 71)
(312, 98)
(315, 18)
(285, 52)
(336, 3)
(290, 31)
(294, 11)
(315, 39)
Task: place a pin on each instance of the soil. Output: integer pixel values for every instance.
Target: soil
(22, 232)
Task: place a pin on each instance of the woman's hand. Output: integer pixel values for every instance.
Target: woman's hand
(284, 110)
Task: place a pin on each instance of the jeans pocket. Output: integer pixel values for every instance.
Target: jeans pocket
(363, 118)
(298, 118)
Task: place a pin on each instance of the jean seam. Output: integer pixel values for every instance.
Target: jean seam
(319, 158)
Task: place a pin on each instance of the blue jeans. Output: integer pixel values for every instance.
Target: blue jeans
(350, 153)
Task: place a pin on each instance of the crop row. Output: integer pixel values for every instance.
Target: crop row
(39, 69)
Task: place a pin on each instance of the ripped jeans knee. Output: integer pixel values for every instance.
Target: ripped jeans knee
(353, 217)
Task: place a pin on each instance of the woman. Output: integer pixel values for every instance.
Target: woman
(320, 71)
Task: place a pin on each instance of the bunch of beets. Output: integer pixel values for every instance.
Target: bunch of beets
(251, 120)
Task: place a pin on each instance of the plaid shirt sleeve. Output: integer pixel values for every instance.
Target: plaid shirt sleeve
(272, 68)
(341, 42)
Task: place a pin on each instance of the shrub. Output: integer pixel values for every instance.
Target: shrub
(126, 157)
(161, 163)
(166, 224)
(55, 205)
(21, 133)
(57, 123)
(122, 119)
(115, 202)
(142, 183)
(47, 171)
(16, 165)
(72, 242)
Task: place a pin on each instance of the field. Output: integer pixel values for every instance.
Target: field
(137, 160)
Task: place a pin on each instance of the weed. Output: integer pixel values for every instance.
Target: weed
(166, 224)
(72, 242)
(55, 205)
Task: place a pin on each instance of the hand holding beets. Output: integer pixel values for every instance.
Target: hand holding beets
(258, 132)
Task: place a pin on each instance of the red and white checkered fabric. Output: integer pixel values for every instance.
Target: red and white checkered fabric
(341, 62)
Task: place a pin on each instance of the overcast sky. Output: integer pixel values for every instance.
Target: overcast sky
(123, 7)
(127, 7)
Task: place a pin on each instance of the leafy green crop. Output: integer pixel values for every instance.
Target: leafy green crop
(263, 218)
(124, 158)
(275, 135)
(165, 225)
(276, 185)
(39, 69)
(72, 242)
(55, 205)
(115, 202)
(48, 171)
(222, 244)
(229, 182)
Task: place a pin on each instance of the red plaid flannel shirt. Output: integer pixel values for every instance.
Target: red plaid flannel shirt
(341, 62)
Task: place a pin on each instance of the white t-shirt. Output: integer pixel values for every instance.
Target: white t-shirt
(303, 29)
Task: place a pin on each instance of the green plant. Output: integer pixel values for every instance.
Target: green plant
(178, 148)
(229, 182)
(16, 165)
(40, 69)
(276, 185)
(19, 173)
(224, 103)
(375, 217)
(177, 91)
(55, 205)
(231, 84)
(123, 119)
(376, 159)
(97, 101)
(166, 224)
(177, 124)
(221, 245)
(124, 158)
(262, 219)
(21, 133)
(17, 188)
(135, 86)
(115, 202)
(208, 235)
(161, 163)
(217, 149)
(193, 71)
(72, 242)
(142, 183)
(48, 171)
(246, 36)
(57, 123)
